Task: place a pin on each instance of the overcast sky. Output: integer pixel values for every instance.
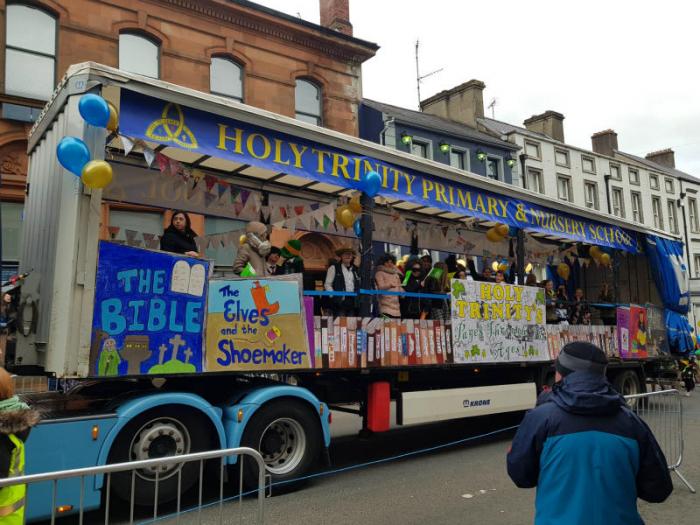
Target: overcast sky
(629, 66)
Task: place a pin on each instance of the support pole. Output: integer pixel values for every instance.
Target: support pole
(520, 256)
(366, 253)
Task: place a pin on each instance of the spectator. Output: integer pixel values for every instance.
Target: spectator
(343, 277)
(426, 263)
(608, 314)
(293, 261)
(562, 305)
(500, 276)
(179, 236)
(531, 279)
(438, 283)
(688, 373)
(579, 312)
(16, 421)
(485, 275)
(271, 261)
(387, 279)
(582, 444)
(411, 307)
(550, 302)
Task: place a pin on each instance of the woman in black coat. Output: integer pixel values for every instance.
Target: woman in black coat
(179, 236)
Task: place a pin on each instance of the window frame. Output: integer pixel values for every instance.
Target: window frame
(569, 190)
(630, 171)
(146, 36)
(696, 264)
(640, 211)
(54, 57)
(319, 87)
(596, 199)
(619, 171)
(617, 191)
(672, 211)
(235, 62)
(564, 152)
(537, 147)
(540, 180)
(423, 141)
(654, 177)
(693, 215)
(464, 153)
(500, 176)
(658, 217)
(667, 181)
(588, 158)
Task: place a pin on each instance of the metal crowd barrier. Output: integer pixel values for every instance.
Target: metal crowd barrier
(140, 514)
(663, 412)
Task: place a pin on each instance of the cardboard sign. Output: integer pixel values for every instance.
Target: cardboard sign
(149, 312)
(497, 322)
(256, 325)
(633, 330)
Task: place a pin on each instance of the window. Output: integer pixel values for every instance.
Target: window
(696, 264)
(226, 78)
(307, 96)
(615, 172)
(564, 187)
(222, 255)
(139, 54)
(672, 222)
(693, 215)
(534, 180)
(139, 222)
(668, 184)
(654, 182)
(532, 149)
(493, 168)
(11, 230)
(637, 207)
(658, 214)
(634, 176)
(420, 148)
(457, 159)
(590, 190)
(618, 203)
(30, 52)
(561, 158)
(588, 164)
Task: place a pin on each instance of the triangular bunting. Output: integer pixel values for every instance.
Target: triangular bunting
(127, 144)
(208, 199)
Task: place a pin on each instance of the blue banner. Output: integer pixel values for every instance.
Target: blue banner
(149, 312)
(209, 134)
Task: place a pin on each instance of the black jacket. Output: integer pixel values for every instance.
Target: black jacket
(19, 423)
(175, 241)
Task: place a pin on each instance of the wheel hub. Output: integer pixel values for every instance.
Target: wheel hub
(283, 445)
(160, 438)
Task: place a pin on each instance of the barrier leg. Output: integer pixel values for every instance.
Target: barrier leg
(685, 481)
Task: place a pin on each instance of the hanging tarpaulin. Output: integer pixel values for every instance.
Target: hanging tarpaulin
(205, 133)
(678, 332)
(670, 271)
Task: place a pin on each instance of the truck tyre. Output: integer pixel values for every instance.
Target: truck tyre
(627, 383)
(169, 431)
(288, 436)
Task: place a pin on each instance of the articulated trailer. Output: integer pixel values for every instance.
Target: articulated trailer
(163, 354)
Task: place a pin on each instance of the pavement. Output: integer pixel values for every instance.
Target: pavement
(462, 483)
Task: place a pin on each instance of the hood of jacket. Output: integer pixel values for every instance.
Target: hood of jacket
(14, 421)
(587, 394)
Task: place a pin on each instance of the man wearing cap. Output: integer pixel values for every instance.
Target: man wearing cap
(343, 277)
(587, 453)
(293, 262)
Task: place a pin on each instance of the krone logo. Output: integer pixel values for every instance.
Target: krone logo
(167, 129)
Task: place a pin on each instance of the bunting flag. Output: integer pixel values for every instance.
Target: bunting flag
(244, 196)
(209, 181)
(222, 188)
(113, 231)
(265, 213)
(209, 198)
(326, 222)
(127, 145)
(238, 207)
(149, 156)
(299, 210)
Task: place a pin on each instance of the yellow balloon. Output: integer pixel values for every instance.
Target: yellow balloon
(563, 271)
(595, 252)
(242, 239)
(345, 217)
(604, 259)
(97, 174)
(503, 267)
(113, 122)
(493, 235)
(502, 229)
(355, 205)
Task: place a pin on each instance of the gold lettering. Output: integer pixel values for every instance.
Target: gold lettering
(409, 182)
(321, 157)
(428, 186)
(340, 162)
(297, 153)
(440, 192)
(278, 153)
(250, 145)
(237, 139)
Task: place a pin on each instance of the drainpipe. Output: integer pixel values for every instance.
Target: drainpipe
(607, 191)
(523, 159)
(679, 203)
(382, 134)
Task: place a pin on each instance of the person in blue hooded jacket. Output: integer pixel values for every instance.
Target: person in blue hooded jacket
(587, 453)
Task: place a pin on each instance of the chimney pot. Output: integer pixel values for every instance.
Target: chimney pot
(665, 157)
(335, 14)
(604, 142)
(463, 103)
(550, 123)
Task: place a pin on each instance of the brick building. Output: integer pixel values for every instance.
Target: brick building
(234, 48)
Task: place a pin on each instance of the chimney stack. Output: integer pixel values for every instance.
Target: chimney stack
(605, 142)
(335, 15)
(665, 157)
(464, 103)
(549, 123)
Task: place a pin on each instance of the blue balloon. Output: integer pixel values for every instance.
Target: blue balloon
(371, 183)
(73, 154)
(94, 110)
(357, 228)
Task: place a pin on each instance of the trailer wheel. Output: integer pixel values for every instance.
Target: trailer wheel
(288, 436)
(171, 431)
(627, 383)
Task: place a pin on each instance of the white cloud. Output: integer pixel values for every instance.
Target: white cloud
(619, 64)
